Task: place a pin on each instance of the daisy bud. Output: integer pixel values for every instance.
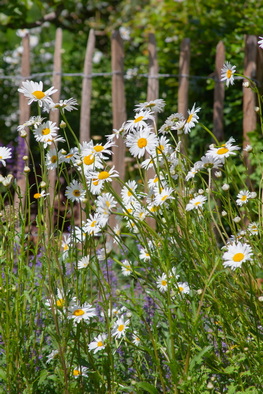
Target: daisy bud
(78, 162)
(260, 299)
(199, 291)
(245, 84)
(225, 187)
(223, 213)
(62, 124)
(25, 158)
(257, 109)
(23, 133)
(63, 152)
(26, 169)
(200, 191)
(253, 195)
(210, 386)
(248, 148)
(42, 184)
(218, 174)
(237, 219)
(211, 146)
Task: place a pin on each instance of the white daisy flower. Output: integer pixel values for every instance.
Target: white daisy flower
(105, 203)
(253, 228)
(45, 132)
(227, 73)
(260, 42)
(191, 120)
(6, 180)
(59, 300)
(236, 254)
(141, 141)
(163, 147)
(135, 339)
(191, 174)
(243, 197)
(5, 154)
(162, 283)
(98, 343)
(166, 127)
(154, 105)
(79, 234)
(196, 202)
(80, 371)
(34, 92)
(139, 121)
(183, 287)
(75, 192)
(33, 121)
(40, 195)
(53, 158)
(128, 192)
(163, 196)
(65, 105)
(144, 255)
(126, 268)
(120, 327)
(65, 244)
(225, 150)
(103, 176)
(79, 313)
(70, 156)
(83, 262)
(209, 161)
(94, 224)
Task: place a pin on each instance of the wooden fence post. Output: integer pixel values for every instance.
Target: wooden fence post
(118, 102)
(24, 114)
(184, 70)
(86, 90)
(54, 115)
(219, 93)
(249, 99)
(152, 94)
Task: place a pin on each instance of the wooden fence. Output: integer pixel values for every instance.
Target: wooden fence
(251, 58)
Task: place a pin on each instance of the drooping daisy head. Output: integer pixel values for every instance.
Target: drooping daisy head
(236, 254)
(154, 105)
(260, 42)
(192, 119)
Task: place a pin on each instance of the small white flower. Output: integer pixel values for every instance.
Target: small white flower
(83, 262)
(98, 343)
(243, 197)
(183, 287)
(192, 119)
(75, 192)
(196, 202)
(126, 268)
(80, 371)
(120, 327)
(227, 73)
(5, 153)
(253, 228)
(135, 339)
(79, 313)
(162, 283)
(154, 105)
(236, 254)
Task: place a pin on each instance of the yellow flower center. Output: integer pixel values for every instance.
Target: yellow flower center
(197, 203)
(69, 156)
(78, 312)
(93, 224)
(229, 74)
(76, 193)
(1, 157)
(222, 151)
(121, 327)
(65, 247)
(163, 282)
(243, 198)
(37, 195)
(160, 149)
(181, 288)
(98, 148)
(142, 142)
(103, 175)
(76, 372)
(45, 131)
(238, 257)
(99, 344)
(165, 197)
(88, 160)
(60, 303)
(129, 194)
(54, 159)
(189, 118)
(138, 119)
(95, 182)
(38, 94)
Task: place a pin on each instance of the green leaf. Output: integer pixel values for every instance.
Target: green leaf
(2, 374)
(148, 387)
(43, 377)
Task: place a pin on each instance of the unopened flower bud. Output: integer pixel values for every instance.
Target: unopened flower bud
(23, 133)
(218, 174)
(257, 109)
(225, 187)
(245, 84)
(42, 184)
(223, 213)
(26, 169)
(62, 124)
(25, 158)
(237, 219)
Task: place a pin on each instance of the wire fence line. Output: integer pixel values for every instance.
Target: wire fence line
(109, 74)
